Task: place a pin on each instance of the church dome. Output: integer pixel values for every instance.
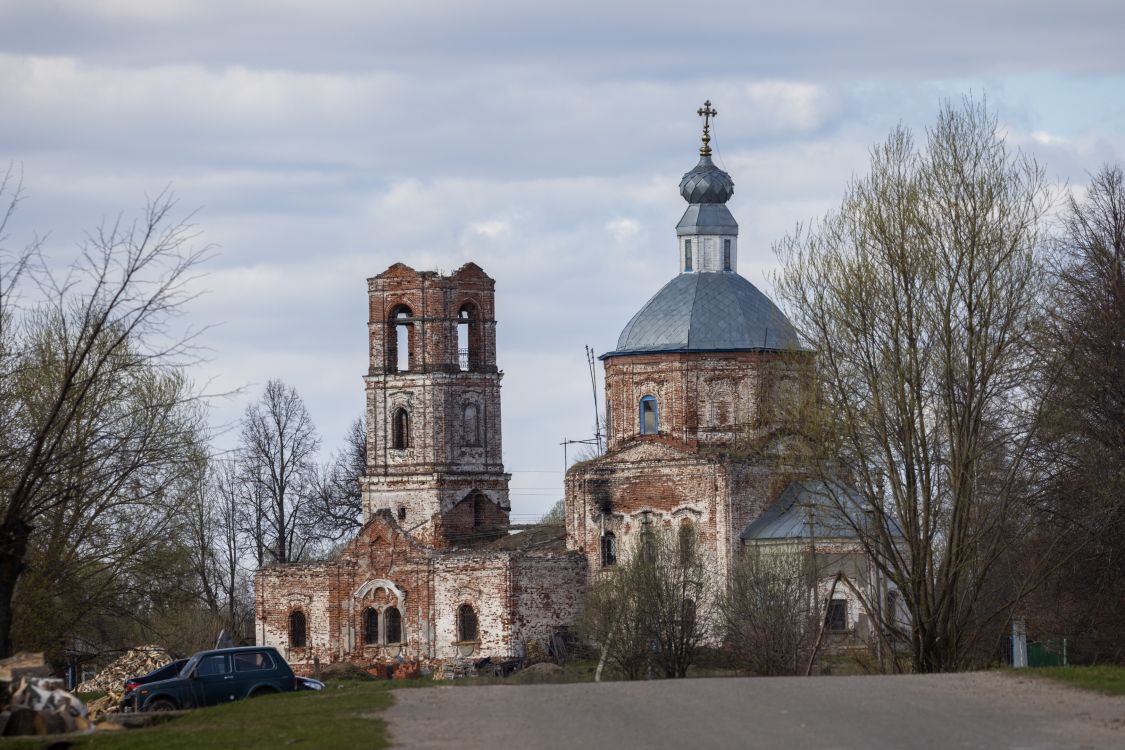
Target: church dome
(707, 312)
(706, 183)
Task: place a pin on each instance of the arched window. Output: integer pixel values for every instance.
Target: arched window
(468, 337)
(609, 549)
(466, 623)
(470, 425)
(400, 429)
(400, 340)
(726, 255)
(297, 629)
(687, 541)
(370, 626)
(392, 625)
(836, 615)
(650, 419)
(479, 509)
(687, 256)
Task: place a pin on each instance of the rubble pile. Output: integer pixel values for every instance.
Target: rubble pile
(34, 703)
(453, 669)
(408, 670)
(111, 680)
(534, 653)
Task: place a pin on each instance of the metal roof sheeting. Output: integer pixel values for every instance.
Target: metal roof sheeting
(810, 509)
(708, 311)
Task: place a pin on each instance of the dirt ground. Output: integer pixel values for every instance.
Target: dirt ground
(974, 710)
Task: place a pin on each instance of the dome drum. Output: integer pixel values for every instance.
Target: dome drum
(707, 218)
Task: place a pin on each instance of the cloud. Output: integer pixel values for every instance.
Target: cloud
(324, 142)
(491, 228)
(623, 229)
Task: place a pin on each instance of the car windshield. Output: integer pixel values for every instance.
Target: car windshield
(186, 671)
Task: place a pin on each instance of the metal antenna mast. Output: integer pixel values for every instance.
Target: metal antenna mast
(594, 388)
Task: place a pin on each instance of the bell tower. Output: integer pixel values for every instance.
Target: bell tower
(434, 455)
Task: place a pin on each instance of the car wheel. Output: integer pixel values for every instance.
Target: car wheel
(262, 691)
(160, 704)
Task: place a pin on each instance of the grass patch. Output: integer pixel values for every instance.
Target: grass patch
(345, 714)
(91, 696)
(1104, 679)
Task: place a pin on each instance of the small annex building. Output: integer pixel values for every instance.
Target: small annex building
(818, 520)
(433, 573)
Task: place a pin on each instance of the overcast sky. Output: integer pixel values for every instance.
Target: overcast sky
(323, 141)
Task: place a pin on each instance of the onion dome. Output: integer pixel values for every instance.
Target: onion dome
(706, 183)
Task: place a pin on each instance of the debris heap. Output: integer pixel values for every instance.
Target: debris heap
(34, 703)
(111, 680)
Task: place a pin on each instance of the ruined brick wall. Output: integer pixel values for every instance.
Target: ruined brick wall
(387, 569)
(313, 589)
(754, 486)
(381, 567)
(470, 521)
(435, 302)
(435, 513)
(652, 481)
(481, 580)
(548, 590)
(453, 423)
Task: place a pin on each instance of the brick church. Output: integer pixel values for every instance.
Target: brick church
(435, 573)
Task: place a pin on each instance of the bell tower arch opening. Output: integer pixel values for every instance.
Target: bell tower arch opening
(468, 338)
(400, 339)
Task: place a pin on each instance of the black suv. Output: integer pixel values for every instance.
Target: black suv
(218, 676)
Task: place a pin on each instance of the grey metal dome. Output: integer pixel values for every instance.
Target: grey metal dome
(706, 183)
(718, 311)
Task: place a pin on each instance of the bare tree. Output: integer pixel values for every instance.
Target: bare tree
(769, 612)
(339, 490)
(277, 456)
(1084, 443)
(555, 515)
(227, 494)
(655, 611)
(84, 363)
(919, 294)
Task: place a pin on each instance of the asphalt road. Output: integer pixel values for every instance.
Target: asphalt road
(977, 710)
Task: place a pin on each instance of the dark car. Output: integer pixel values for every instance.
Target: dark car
(218, 676)
(166, 672)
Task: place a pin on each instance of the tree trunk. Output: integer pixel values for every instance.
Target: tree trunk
(13, 551)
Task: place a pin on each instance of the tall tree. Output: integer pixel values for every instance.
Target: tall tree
(918, 295)
(1084, 444)
(277, 456)
(227, 495)
(340, 493)
(76, 343)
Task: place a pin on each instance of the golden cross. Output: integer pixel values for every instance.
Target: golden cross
(707, 112)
